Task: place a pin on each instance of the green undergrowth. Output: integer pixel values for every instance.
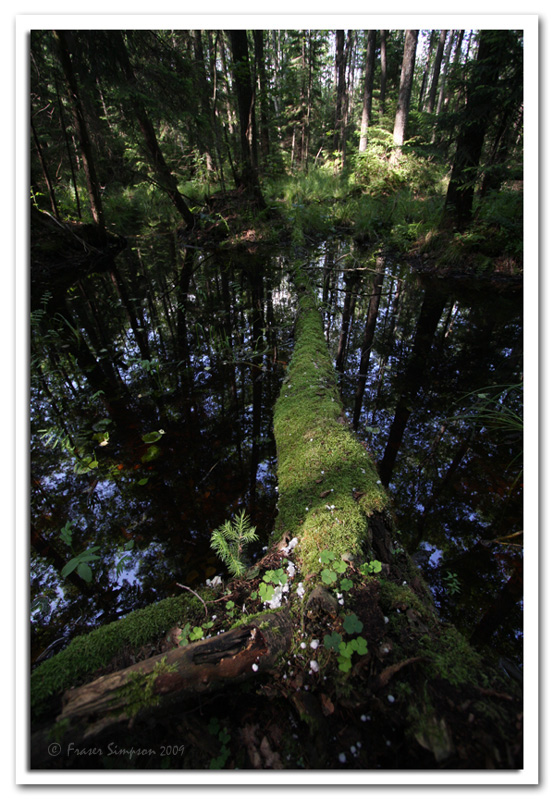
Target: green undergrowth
(93, 651)
(328, 483)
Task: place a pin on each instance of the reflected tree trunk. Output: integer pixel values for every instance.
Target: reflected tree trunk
(257, 334)
(508, 597)
(371, 321)
(440, 487)
(352, 281)
(414, 378)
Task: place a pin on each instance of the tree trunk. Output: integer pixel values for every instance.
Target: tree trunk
(371, 322)
(478, 110)
(93, 185)
(259, 56)
(446, 70)
(368, 88)
(68, 149)
(426, 71)
(205, 130)
(405, 91)
(430, 104)
(383, 59)
(45, 172)
(340, 81)
(246, 101)
(163, 173)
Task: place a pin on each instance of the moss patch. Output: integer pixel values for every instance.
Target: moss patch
(328, 483)
(94, 650)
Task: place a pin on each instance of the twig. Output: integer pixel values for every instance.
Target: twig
(180, 585)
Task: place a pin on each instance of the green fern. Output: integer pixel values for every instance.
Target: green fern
(228, 542)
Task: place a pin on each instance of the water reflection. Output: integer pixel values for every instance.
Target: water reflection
(152, 394)
(422, 357)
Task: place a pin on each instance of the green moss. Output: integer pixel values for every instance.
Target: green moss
(452, 658)
(138, 692)
(94, 650)
(318, 454)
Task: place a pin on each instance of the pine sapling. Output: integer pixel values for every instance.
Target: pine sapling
(229, 540)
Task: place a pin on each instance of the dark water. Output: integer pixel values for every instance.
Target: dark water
(152, 393)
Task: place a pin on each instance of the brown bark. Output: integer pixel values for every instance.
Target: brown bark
(405, 92)
(97, 709)
(93, 186)
(368, 88)
(430, 104)
(163, 173)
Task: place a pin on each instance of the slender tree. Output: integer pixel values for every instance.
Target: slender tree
(62, 39)
(383, 60)
(425, 76)
(163, 173)
(405, 91)
(368, 88)
(340, 82)
(246, 97)
(261, 77)
(480, 103)
(431, 97)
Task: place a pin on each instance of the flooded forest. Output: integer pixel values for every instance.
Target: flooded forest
(275, 283)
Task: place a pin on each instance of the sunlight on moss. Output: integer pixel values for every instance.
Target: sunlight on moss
(321, 463)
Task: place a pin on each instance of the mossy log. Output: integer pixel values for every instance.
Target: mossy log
(355, 668)
(151, 687)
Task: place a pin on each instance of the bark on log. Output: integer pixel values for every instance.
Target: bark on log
(151, 686)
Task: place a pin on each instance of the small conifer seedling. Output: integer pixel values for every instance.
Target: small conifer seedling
(229, 540)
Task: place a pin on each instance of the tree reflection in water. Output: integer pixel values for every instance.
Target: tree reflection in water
(152, 388)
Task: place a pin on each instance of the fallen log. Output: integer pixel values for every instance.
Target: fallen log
(92, 711)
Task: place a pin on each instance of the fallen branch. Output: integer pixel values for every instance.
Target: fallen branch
(95, 710)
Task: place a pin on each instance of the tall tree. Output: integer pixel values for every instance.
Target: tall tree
(446, 70)
(261, 76)
(431, 97)
(368, 88)
(62, 39)
(481, 94)
(246, 97)
(425, 76)
(340, 83)
(163, 173)
(383, 59)
(405, 90)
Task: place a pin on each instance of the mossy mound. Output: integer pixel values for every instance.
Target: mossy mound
(93, 651)
(328, 482)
